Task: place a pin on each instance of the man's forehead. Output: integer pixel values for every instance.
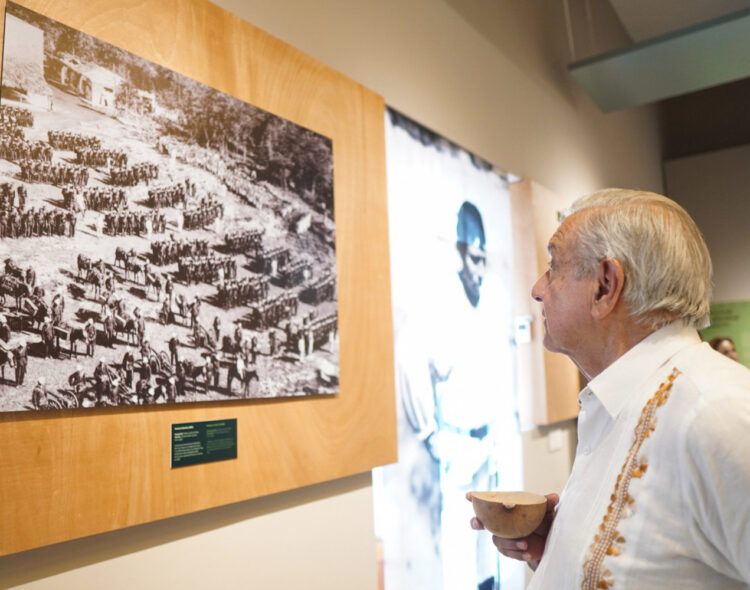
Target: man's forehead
(556, 243)
(561, 239)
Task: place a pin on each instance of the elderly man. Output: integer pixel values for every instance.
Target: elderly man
(658, 493)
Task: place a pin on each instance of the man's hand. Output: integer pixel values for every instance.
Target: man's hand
(528, 549)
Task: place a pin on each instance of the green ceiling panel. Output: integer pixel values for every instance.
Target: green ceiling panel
(709, 54)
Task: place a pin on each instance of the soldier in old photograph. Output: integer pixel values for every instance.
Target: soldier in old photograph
(195, 308)
(56, 311)
(170, 389)
(250, 372)
(109, 284)
(145, 351)
(141, 391)
(20, 359)
(128, 366)
(174, 343)
(272, 342)
(101, 380)
(77, 380)
(217, 329)
(180, 375)
(30, 277)
(238, 336)
(168, 288)
(58, 302)
(39, 395)
(5, 330)
(113, 390)
(236, 371)
(251, 349)
(48, 338)
(110, 326)
(213, 369)
(140, 327)
(90, 332)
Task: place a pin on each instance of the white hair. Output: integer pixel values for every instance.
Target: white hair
(665, 260)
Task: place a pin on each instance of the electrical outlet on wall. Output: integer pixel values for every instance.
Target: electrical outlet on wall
(555, 440)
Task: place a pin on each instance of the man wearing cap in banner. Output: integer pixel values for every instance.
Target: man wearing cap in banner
(456, 405)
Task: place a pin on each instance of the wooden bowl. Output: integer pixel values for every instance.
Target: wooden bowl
(509, 514)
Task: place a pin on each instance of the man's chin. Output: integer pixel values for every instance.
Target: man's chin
(549, 344)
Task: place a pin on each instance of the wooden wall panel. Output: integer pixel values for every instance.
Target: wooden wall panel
(75, 473)
(548, 383)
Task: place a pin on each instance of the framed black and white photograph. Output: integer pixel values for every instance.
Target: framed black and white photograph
(160, 241)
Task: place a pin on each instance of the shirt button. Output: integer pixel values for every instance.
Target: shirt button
(586, 450)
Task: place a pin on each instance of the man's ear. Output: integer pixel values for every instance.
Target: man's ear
(610, 281)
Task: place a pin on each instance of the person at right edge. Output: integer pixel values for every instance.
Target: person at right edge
(659, 494)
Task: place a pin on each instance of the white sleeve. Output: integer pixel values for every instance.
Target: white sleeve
(716, 484)
(415, 394)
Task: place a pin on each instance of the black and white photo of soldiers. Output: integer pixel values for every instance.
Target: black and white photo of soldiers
(187, 234)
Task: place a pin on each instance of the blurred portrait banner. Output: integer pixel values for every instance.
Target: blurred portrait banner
(451, 253)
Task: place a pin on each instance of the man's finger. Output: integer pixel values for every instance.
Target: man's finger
(519, 555)
(529, 548)
(476, 524)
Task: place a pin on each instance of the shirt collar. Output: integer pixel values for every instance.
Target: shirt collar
(615, 384)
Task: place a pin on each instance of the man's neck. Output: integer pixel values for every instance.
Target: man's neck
(613, 342)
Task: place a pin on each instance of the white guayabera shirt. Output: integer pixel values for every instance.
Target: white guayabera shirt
(659, 496)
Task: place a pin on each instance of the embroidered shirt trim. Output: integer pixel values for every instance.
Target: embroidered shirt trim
(608, 540)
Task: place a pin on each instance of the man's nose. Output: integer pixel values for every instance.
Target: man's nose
(537, 290)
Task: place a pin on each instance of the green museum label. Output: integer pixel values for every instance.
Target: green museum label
(204, 442)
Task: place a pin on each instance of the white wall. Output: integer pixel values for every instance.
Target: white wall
(491, 78)
(715, 189)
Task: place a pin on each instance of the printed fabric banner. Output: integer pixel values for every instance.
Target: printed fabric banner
(450, 232)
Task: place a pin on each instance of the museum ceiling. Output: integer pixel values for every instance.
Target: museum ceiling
(706, 119)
